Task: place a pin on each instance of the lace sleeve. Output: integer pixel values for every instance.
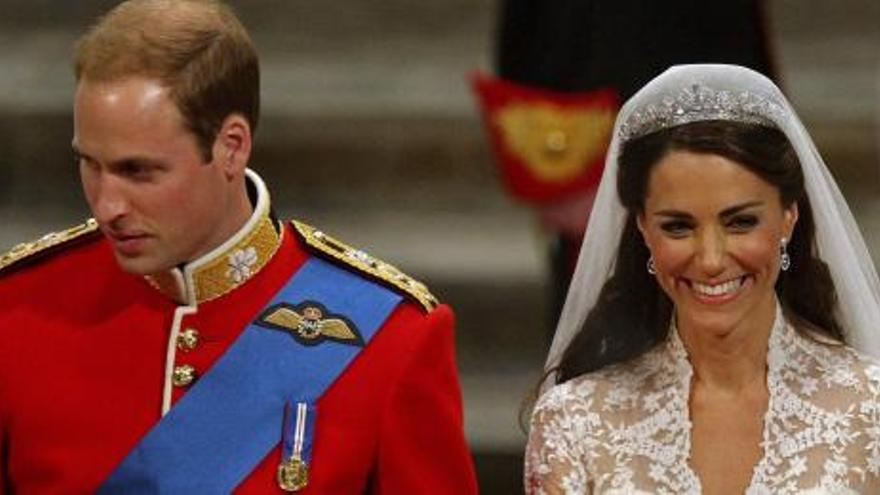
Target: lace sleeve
(560, 440)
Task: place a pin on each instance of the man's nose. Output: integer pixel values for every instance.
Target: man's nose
(108, 202)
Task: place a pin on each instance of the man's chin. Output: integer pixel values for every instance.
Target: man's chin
(139, 265)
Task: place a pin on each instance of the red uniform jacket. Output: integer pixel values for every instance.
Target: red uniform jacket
(83, 350)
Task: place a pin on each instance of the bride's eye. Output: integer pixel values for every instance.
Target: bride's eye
(742, 223)
(676, 227)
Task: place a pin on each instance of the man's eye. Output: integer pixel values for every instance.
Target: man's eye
(135, 170)
(83, 162)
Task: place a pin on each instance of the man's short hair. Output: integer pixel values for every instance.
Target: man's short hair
(198, 49)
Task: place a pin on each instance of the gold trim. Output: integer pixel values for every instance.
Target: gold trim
(365, 263)
(26, 250)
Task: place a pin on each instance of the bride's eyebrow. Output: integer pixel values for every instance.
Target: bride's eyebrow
(673, 214)
(733, 210)
(727, 212)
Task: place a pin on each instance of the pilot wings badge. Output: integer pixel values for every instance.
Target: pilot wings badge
(310, 324)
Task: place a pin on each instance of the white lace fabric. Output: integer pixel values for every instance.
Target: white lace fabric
(625, 429)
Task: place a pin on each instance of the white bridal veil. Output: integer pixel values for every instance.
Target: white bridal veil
(691, 93)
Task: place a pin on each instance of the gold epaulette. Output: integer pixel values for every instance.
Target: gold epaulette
(49, 243)
(364, 263)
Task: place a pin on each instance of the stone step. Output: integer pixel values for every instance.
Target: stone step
(351, 166)
(309, 17)
(340, 20)
(381, 117)
(421, 164)
(799, 19)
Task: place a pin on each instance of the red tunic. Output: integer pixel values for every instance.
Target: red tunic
(83, 350)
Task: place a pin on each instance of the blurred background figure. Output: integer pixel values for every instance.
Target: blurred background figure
(371, 96)
(578, 60)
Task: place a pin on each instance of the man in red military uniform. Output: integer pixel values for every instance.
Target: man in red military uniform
(186, 340)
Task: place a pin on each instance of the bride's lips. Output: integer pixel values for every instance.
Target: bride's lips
(718, 292)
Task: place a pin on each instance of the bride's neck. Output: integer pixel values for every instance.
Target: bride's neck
(729, 359)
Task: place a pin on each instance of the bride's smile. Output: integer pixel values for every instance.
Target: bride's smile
(718, 292)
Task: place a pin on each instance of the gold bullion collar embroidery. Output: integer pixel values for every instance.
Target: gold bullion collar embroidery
(231, 264)
(364, 263)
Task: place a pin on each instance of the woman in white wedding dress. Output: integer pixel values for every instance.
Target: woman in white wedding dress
(720, 329)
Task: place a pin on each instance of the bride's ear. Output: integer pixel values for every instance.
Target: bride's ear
(790, 218)
(640, 223)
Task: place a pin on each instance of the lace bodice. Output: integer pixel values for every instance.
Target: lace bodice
(625, 429)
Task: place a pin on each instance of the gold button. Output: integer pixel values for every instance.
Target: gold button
(556, 142)
(188, 339)
(183, 376)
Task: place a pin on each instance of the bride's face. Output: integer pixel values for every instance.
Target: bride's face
(714, 229)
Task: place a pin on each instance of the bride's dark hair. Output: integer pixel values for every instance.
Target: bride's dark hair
(632, 312)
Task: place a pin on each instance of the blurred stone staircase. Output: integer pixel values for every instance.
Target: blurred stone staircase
(369, 131)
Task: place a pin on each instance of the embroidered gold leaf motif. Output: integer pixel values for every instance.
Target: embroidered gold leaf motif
(557, 144)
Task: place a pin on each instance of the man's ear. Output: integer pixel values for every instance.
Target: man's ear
(232, 147)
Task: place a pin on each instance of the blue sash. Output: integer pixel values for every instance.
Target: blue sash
(232, 418)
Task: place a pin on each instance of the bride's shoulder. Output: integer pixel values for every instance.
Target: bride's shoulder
(867, 371)
(578, 390)
(837, 369)
(617, 386)
(831, 354)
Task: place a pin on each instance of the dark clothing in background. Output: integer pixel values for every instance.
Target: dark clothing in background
(574, 45)
(581, 45)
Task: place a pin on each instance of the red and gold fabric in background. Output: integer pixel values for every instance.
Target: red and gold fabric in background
(547, 144)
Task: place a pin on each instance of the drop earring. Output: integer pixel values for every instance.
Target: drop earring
(784, 258)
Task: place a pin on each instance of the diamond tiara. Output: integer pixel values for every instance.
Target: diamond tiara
(700, 103)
